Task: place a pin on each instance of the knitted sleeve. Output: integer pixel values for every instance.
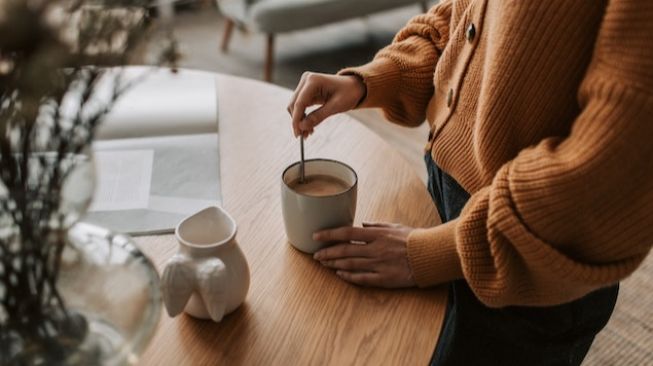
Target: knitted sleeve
(569, 215)
(400, 78)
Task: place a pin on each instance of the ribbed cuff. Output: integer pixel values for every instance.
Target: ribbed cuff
(432, 255)
(382, 78)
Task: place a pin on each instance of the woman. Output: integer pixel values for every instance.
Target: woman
(539, 161)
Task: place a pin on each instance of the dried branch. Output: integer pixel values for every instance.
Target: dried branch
(54, 56)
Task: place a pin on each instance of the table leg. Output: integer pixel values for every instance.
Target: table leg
(425, 6)
(269, 59)
(226, 37)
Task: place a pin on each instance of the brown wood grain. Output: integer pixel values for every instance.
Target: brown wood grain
(297, 312)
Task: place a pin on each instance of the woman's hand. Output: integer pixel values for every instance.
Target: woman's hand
(372, 255)
(335, 94)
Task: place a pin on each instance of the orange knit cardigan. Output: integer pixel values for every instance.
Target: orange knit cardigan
(543, 111)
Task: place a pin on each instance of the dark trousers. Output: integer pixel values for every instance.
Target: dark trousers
(474, 334)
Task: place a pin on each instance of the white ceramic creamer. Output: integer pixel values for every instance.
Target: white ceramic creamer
(209, 276)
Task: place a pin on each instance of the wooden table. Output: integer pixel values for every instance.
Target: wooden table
(297, 312)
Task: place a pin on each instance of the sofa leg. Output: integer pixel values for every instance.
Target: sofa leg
(269, 59)
(425, 6)
(226, 37)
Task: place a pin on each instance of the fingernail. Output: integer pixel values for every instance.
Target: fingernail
(316, 236)
(317, 256)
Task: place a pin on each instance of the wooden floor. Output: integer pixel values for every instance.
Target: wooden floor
(628, 338)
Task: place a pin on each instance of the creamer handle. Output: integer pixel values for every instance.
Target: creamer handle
(211, 277)
(177, 284)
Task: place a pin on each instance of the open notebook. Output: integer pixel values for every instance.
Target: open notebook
(157, 156)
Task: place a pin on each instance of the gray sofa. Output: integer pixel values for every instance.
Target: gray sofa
(279, 16)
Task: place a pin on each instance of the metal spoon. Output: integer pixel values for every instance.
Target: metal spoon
(302, 177)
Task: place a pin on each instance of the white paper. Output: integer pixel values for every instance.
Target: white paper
(185, 178)
(123, 180)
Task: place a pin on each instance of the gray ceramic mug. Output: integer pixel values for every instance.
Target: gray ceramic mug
(303, 214)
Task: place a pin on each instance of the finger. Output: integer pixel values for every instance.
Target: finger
(299, 114)
(299, 87)
(298, 108)
(306, 134)
(310, 94)
(361, 278)
(344, 250)
(348, 233)
(316, 117)
(350, 264)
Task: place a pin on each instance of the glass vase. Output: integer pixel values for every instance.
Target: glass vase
(70, 293)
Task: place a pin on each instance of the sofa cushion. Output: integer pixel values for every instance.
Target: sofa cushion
(277, 16)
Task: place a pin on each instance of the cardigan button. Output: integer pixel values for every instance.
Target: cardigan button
(471, 32)
(449, 98)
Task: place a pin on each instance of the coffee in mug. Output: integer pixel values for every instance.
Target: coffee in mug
(319, 185)
(326, 200)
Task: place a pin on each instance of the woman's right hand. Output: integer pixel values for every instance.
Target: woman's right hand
(334, 93)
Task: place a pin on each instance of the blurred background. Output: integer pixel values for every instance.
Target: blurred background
(200, 29)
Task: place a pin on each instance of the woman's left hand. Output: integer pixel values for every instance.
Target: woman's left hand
(372, 255)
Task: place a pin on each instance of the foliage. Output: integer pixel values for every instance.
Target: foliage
(56, 86)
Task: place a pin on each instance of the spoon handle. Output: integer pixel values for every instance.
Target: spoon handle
(302, 177)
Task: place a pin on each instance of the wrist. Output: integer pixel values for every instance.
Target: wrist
(357, 84)
(382, 80)
(432, 255)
